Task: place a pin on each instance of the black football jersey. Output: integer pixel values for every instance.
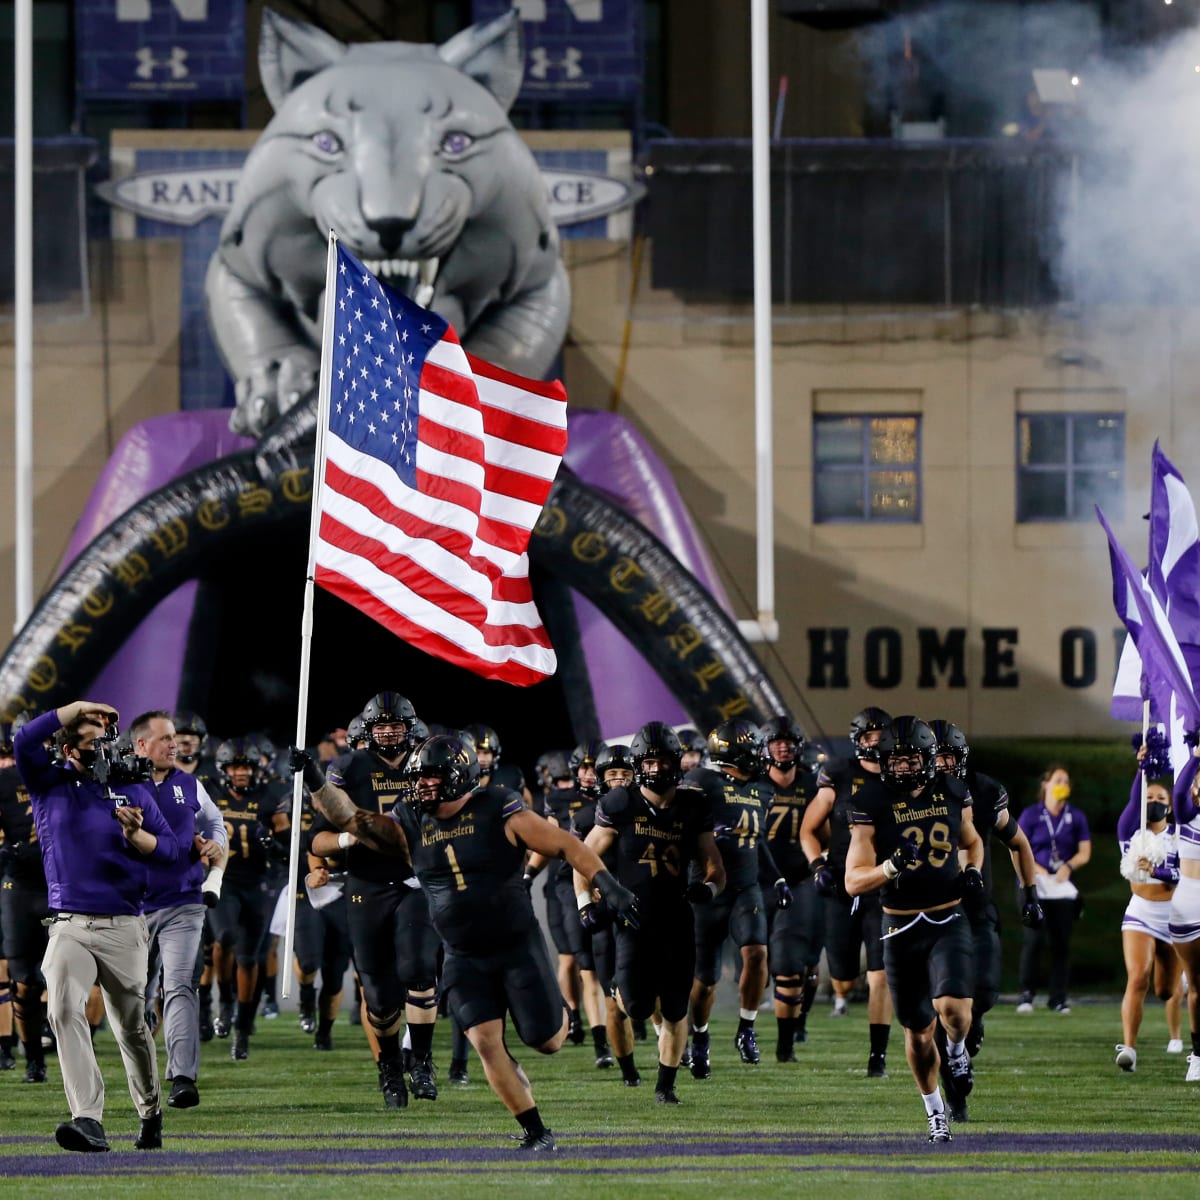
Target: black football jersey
(784, 819)
(562, 805)
(470, 872)
(932, 819)
(655, 845)
(845, 778)
(739, 815)
(989, 798)
(16, 820)
(245, 817)
(378, 788)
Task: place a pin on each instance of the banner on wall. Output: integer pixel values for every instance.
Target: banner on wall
(576, 49)
(176, 50)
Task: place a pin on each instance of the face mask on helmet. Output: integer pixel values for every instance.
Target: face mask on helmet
(387, 720)
(781, 741)
(446, 770)
(614, 768)
(952, 749)
(583, 766)
(240, 765)
(865, 729)
(734, 744)
(191, 737)
(906, 754)
(655, 752)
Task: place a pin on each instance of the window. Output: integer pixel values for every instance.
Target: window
(1069, 462)
(867, 468)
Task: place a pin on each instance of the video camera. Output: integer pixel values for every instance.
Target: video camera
(116, 764)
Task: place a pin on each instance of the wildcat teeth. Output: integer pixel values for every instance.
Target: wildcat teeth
(408, 268)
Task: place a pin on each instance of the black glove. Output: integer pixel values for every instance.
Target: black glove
(301, 761)
(824, 880)
(8, 856)
(211, 899)
(972, 890)
(783, 894)
(698, 892)
(527, 880)
(270, 845)
(904, 854)
(618, 899)
(1031, 911)
(593, 918)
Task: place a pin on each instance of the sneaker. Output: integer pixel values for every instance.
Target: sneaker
(308, 1020)
(939, 1128)
(458, 1071)
(1175, 1046)
(877, 1066)
(959, 1076)
(184, 1093)
(223, 1025)
(747, 1045)
(975, 1038)
(1063, 1008)
(270, 1009)
(1193, 1071)
(82, 1134)
(1025, 1003)
(391, 1084)
(150, 1134)
(323, 1041)
(421, 1079)
(575, 1031)
(604, 1059)
(240, 1050)
(1126, 1057)
(667, 1097)
(537, 1143)
(840, 1007)
(35, 1072)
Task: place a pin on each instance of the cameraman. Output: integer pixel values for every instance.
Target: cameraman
(175, 899)
(96, 840)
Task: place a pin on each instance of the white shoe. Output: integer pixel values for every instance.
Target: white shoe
(840, 1008)
(1175, 1046)
(1126, 1057)
(1193, 1071)
(1026, 1006)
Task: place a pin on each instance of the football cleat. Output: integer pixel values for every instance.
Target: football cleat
(959, 1077)
(308, 1020)
(785, 1054)
(458, 1071)
(1126, 1057)
(939, 1128)
(270, 1009)
(7, 1059)
(700, 1067)
(575, 1030)
(35, 1072)
(685, 1059)
(1063, 1008)
(956, 1108)
(1193, 1070)
(747, 1045)
(1025, 1002)
(801, 1034)
(391, 1083)
(323, 1041)
(223, 1025)
(420, 1079)
(240, 1050)
(537, 1143)
(634, 1080)
(840, 1007)
(604, 1059)
(666, 1097)
(877, 1066)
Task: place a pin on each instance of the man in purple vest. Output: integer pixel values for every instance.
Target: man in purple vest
(96, 838)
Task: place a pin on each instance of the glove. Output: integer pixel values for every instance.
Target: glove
(270, 845)
(904, 855)
(1031, 911)
(825, 881)
(8, 856)
(698, 892)
(618, 899)
(972, 890)
(723, 833)
(301, 761)
(783, 894)
(593, 918)
(527, 880)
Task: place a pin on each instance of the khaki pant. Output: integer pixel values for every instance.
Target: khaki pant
(110, 951)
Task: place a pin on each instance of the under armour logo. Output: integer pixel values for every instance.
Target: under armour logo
(540, 62)
(149, 62)
(355, 899)
(571, 61)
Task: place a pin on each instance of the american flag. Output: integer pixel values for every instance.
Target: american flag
(436, 467)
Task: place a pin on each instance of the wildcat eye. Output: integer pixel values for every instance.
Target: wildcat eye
(457, 143)
(327, 142)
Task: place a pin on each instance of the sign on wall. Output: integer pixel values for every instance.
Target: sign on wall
(577, 49)
(160, 49)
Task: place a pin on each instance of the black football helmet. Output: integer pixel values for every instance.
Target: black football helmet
(241, 752)
(811, 759)
(449, 759)
(864, 722)
(484, 737)
(656, 740)
(907, 754)
(418, 731)
(6, 739)
(552, 766)
(585, 755)
(356, 733)
(734, 744)
(781, 729)
(951, 742)
(614, 757)
(388, 708)
(193, 724)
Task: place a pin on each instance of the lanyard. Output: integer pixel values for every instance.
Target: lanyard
(1055, 830)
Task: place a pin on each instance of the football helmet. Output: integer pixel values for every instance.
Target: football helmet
(811, 759)
(240, 752)
(907, 754)
(553, 766)
(356, 733)
(656, 740)
(484, 737)
(451, 761)
(734, 744)
(190, 725)
(781, 729)
(613, 757)
(585, 755)
(865, 722)
(951, 742)
(388, 708)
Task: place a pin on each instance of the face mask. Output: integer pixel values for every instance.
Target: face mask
(1060, 791)
(87, 759)
(1155, 812)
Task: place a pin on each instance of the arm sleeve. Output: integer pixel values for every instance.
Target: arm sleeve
(1181, 794)
(210, 824)
(33, 762)
(1131, 815)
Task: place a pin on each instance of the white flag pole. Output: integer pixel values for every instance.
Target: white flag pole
(1144, 876)
(306, 621)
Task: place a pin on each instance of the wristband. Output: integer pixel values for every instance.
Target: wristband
(582, 900)
(344, 842)
(890, 869)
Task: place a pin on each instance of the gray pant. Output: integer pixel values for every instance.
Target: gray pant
(175, 950)
(110, 951)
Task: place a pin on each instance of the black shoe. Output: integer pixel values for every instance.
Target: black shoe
(35, 1072)
(420, 1079)
(270, 1009)
(956, 1108)
(604, 1059)
(958, 1077)
(538, 1143)
(82, 1134)
(206, 1025)
(700, 1067)
(747, 1045)
(308, 1020)
(575, 1031)
(150, 1135)
(184, 1093)
(323, 1041)
(223, 1025)
(785, 1054)
(634, 1080)
(939, 1128)
(7, 1061)
(391, 1084)
(458, 1071)
(240, 1050)
(877, 1066)
(667, 1097)
(801, 1035)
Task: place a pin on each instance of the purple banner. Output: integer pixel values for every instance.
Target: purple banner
(577, 49)
(160, 49)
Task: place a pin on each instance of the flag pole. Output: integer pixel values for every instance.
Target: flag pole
(306, 620)
(1143, 876)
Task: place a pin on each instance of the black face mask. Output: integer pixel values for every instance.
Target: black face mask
(87, 760)
(1156, 812)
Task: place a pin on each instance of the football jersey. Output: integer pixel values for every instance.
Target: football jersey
(784, 819)
(989, 798)
(845, 778)
(739, 812)
(16, 819)
(245, 817)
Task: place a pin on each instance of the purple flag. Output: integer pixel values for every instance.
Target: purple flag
(1164, 668)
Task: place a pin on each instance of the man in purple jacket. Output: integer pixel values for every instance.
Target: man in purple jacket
(96, 842)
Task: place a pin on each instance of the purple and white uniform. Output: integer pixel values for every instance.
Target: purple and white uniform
(1185, 903)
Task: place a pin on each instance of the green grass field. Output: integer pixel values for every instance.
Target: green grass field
(1050, 1110)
